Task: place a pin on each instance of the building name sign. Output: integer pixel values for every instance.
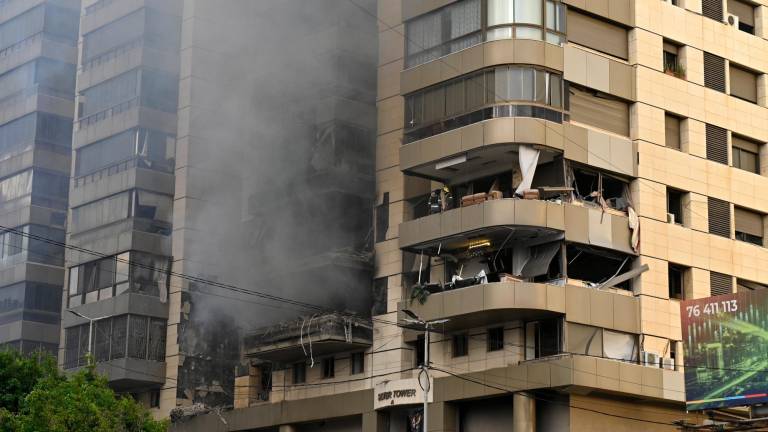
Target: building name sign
(399, 392)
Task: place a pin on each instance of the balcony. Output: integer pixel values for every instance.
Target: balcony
(574, 373)
(522, 219)
(331, 333)
(486, 304)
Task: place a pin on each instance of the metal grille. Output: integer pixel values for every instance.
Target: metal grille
(719, 217)
(712, 9)
(714, 72)
(83, 347)
(71, 336)
(156, 340)
(101, 333)
(137, 339)
(717, 144)
(720, 284)
(119, 332)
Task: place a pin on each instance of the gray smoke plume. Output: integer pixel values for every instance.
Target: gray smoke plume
(276, 157)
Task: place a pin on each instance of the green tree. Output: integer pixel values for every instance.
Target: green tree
(80, 402)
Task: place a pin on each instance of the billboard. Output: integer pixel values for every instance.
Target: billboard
(725, 340)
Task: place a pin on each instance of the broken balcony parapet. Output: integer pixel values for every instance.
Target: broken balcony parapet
(316, 335)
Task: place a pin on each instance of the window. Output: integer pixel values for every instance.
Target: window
(111, 340)
(543, 338)
(712, 9)
(137, 272)
(382, 218)
(714, 72)
(743, 285)
(460, 25)
(154, 28)
(110, 93)
(526, 19)
(676, 281)
(598, 34)
(496, 339)
(22, 27)
(672, 131)
(379, 300)
(357, 363)
(717, 144)
(154, 399)
(15, 187)
(154, 209)
(719, 213)
(745, 154)
(329, 367)
(746, 14)
(419, 350)
(154, 150)
(720, 284)
(299, 373)
(743, 83)
(620, 346)
(749, 226)
(675, 206)
(460, 345)
(468, 99)
(672, 64)
(598, 109)
(443, 31)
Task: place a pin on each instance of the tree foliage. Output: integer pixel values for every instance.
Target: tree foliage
(36, 397)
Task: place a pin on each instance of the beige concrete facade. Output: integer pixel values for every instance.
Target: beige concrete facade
(577, 388)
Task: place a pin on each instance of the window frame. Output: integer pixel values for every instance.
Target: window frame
(357, 363)
(495, 343)
(328, 367)
(556, 33)
(460, 345)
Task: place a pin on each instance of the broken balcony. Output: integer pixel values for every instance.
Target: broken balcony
(316, 335)
(584, 206)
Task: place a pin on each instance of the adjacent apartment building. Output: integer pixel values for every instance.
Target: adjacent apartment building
(552, 178)
(38, 52)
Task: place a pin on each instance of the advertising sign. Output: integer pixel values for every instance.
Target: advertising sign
(725, 341)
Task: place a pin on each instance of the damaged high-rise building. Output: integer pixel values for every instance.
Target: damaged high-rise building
(38, 52)
(220, 149)
(552, 178)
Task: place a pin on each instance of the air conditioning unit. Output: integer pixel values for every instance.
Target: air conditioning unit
(668, 363)
(732, 20)
(650, 359)
(670, 218)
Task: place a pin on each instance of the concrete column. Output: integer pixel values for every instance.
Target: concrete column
(373, 422)
(287, 428)
(523, 413)
(442, 417)
(761, 21)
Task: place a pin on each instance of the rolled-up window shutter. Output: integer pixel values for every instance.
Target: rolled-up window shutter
(717, 144)
(597, 34)
(712, 9)
(714, 72)
(745, 144)
(719, 213)
(743, 83)
(672, 131)
(720, 284)
(748, 222)
(599, 110)
(744, 11)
